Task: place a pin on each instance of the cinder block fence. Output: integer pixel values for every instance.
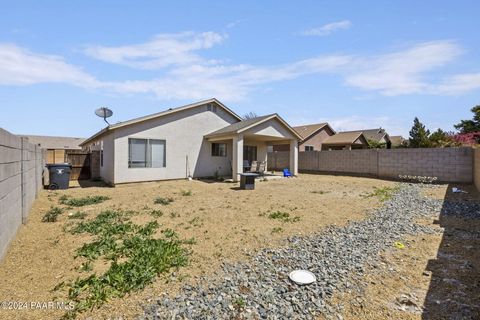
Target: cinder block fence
(21, 167)
(447, 164)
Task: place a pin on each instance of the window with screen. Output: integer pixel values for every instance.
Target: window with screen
(146, 153)
(219, 149)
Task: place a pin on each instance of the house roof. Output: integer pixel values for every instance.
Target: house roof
(397, 140)
(344, 138)
(308, 130)
(158, 115)
(52, 142)
(372, 134)
(244, 125)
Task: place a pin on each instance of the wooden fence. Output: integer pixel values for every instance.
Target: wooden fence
(21, 168)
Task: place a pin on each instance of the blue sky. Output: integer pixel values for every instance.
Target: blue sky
(355, 64)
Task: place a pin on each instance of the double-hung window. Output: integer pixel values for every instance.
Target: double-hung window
(219, 149)
(309, 148)
(146, 153)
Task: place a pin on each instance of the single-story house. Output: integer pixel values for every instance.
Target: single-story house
(345, 141)
(56, 146)
(397, 141)
(312, 135)
(202, 139)
(378, 136)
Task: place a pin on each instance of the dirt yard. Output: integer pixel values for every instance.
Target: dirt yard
(226, 223)
(433, 276)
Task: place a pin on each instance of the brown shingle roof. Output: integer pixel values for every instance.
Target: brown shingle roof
(246, 124)
(372, 134)
(235, 127)
(343, 138)
(307, 130)
(397, 140)
(161, 114)
(52, 142)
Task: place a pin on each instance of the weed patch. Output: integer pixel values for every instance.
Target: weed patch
(384, 193)
(80, 202)
(163, 201)
(283, 216)
(156, 213)
(136, 258)
(186, 193)
(52, 214)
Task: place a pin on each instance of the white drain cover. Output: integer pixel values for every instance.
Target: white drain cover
(302, 277)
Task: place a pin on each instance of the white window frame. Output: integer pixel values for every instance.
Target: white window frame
(148, 154)
(312, 148)
(218, 149)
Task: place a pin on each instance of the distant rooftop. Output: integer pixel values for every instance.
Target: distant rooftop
(52, 142)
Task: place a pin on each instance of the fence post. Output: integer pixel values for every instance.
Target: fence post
(23, 180)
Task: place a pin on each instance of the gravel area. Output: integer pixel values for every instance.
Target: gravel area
(338, 256)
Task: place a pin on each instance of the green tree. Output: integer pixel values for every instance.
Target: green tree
(467, 126)
(419, 135)
(440, 139)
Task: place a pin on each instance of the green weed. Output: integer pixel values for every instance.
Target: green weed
(52, 214)
(283, 216)
(156, 213)
(80, 202)
(137, 258)
(163, 201)
(384, 193)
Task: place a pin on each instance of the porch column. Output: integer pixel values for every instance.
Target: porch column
(294, 157)
(237, 157)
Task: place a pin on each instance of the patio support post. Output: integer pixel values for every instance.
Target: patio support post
(294, 157)
(237, 157)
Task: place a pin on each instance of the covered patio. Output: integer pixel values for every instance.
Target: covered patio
(249, 141)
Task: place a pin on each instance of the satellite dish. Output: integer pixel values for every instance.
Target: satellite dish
(104, 113)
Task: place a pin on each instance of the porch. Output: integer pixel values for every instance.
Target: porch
(249, 141)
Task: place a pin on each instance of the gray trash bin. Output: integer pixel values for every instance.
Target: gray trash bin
(59, 174)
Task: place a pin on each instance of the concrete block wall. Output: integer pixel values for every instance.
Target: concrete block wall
(476, 168)
(21, 167)
(447, 164)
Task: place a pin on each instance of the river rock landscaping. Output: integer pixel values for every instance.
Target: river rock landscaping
(338, 256)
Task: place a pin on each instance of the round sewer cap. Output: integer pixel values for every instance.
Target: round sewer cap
(302, 277)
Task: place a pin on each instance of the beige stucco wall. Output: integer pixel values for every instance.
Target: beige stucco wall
(184, 134)
(107, 170)
(316, 140)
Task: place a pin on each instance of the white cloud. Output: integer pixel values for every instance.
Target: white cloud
(327, 29)
(19, 66)
(187, 75)
(230, 82)
(162, 51)
(402, 72)
(458, 84)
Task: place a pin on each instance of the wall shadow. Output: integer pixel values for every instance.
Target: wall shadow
(454, 291)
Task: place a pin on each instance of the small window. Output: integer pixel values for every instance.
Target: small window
(219, 149)
(146, 153)
(101, 158)
(309, 148)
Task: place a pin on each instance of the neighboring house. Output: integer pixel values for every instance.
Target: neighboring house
(199, 140)
(56, 146)
(312, 135)
(345, 141)
(378, 136)
(397, 141)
